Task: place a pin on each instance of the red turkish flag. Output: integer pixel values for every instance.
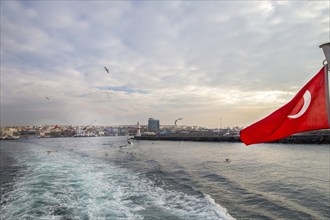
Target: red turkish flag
(308, 110)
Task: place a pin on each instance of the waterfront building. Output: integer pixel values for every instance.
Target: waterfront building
(153, 125)
(9, 133)
(138, 130)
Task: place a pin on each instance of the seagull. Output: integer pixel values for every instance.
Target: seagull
(177, 120)
(129, 142)
(89, 125)
(106, 70)
(47, 97)
(227, 160)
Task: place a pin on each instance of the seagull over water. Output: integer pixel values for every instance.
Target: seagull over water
(106, 70)
(129, 142)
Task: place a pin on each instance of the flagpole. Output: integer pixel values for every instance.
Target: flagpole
(326, 51)
(326, 70)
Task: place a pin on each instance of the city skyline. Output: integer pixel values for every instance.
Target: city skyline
(214, 64)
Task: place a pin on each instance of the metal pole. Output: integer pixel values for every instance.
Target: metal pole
(326, 51)
(326, 73)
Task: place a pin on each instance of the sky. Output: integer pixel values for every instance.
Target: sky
(212, 63)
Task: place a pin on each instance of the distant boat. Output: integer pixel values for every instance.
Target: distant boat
(10, 137)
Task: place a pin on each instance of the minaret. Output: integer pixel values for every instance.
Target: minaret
(138, 130)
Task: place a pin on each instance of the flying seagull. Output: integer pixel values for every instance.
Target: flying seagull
(129, 142)
(177, 120)
(89, 125)
(106, 70)
(47, 97)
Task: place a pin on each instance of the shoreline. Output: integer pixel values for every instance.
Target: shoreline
(294, 139)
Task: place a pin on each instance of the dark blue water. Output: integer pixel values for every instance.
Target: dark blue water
(92, 178)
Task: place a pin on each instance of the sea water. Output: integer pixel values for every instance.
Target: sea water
(95, 178)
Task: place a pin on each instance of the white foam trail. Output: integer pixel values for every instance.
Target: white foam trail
(66, 184)
(222, 212)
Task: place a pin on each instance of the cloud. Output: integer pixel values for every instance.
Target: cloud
(196, 60)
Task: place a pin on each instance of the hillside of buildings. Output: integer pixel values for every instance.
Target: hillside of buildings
(53, 131)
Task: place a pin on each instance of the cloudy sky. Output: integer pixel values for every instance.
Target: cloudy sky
(205, 62)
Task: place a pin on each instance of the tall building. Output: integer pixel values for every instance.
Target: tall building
(153, 125)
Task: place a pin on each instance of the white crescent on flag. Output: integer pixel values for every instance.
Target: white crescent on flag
(307, 102)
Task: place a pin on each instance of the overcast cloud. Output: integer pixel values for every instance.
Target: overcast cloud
(200, 61)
